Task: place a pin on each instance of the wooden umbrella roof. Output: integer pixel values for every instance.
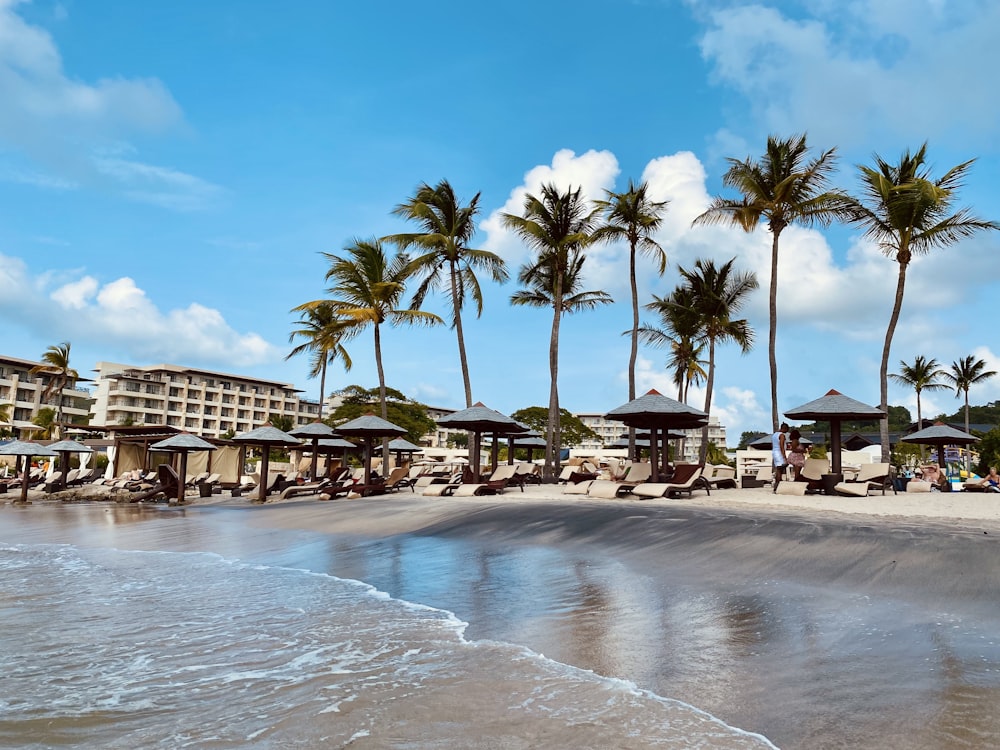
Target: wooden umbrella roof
(183, 441)
(834, 405)
(654, 410)
(940, 434)
(481, 418)
(313, 430)
(267, 435)
(69, 446)
(369, 426)
(25, 448)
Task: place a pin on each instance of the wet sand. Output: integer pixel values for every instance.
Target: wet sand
(816, 621)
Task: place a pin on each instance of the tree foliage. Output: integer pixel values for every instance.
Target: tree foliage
(408, 414)
(574, 432)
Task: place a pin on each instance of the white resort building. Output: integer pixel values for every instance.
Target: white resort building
(206, 403)
(24, 394)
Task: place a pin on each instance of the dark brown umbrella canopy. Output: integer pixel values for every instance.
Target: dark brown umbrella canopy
(402, 445)
(26, 449)
(480, 418)
(183, 441)
(336, 442)
(835, 405)
(834, 408)
(656, 411)
(267, 435)
(940, 435)
(70, 446)
(369, 426)
(313, 430)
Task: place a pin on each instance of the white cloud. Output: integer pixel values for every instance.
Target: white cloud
(63, 127)
(828, 72)
(594, 172)
(118, 315)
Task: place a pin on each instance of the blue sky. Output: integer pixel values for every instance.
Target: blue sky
(171, 172)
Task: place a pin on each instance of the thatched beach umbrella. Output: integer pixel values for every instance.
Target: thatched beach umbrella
(27, 450)
(63, 448)
(182, 443)
(940, 435)
(835, 408)
(329, 445)
(399, 446)
(267, 437)
(314, 432)
(656, 412)
(369, 427)
(481, 419)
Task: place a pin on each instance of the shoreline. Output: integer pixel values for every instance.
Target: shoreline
(808, 624)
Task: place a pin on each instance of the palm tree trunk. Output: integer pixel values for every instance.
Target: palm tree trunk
(773, 329)
(322, 385)
(381, 398)
(462, 358)
(883, 373)
(634, 353)
(709, 385)
(920, 425)
(968, 452)
(553, 445)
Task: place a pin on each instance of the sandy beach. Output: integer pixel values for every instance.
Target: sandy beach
(815, 621)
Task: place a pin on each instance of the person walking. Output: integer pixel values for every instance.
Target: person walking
(779, 458)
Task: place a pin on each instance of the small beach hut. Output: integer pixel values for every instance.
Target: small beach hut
(182, 444)
(835, 407)
(63, 448)
(369, 427)
(266, 437)
(480, 419)
(940, 435)
(25, 450)
(313, 432)
(399, 446)
(657, 413)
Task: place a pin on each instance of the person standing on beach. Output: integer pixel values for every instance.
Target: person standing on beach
(779, 459)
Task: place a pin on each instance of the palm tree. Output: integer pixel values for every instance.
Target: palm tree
(46, 422)
(447, 260)
(324, 332)
(783, 187)
(679, 331)
(558, 226)
(921, 376)
(965, 373)
(687, 365)
(633, 217)
(55, 366)
(908, 213)
(367, 289)
(709, 298)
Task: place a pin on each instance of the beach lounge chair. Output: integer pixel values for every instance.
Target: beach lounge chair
(475, 489)
(636, 474)
(813, 471)
(528, 473)
(685, 479)
(311, 488)
(580, 488)
(503, 477)
(607, 489)
(719, 476)
(869, 477)
(398, 479)
(166, 485)
(53, 483)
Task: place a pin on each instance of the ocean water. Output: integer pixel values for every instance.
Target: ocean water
(116, 648)
(510, 628)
